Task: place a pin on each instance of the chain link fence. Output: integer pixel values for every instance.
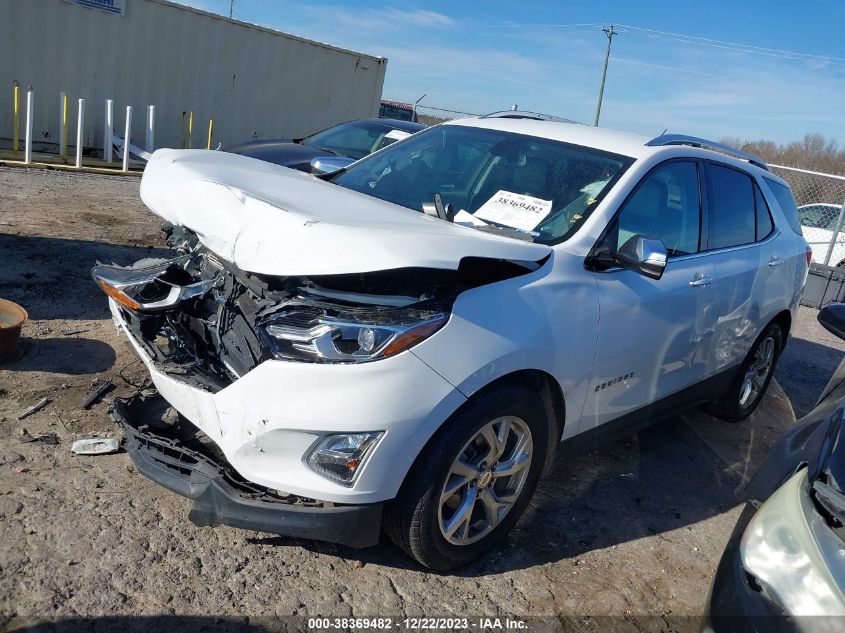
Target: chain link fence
(431, 115)
(821, 205)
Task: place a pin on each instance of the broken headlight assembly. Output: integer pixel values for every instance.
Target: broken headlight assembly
(320, 335)
(340, 457)
(160, 286)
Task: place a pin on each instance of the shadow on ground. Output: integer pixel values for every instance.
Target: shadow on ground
(50, 277)
(803, 371)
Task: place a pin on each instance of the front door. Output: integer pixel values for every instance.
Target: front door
(651, 330)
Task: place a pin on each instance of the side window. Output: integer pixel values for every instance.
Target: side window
(730, 205)
(764, 216)
(665, 205)
(787, 203)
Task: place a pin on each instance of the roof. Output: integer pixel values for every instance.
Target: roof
(626, 143)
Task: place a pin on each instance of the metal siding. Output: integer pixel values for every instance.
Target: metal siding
(250, 80)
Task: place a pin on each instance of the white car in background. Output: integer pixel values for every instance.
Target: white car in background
(405, 344)
(818, 222)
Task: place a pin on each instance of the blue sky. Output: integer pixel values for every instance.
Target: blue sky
(673, 65)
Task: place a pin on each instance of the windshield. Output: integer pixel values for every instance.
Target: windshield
(356, 139)
(536, 187)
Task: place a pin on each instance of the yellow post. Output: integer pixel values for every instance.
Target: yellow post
(63, 153)
(190, 129)
(210, 130)
(16, 118)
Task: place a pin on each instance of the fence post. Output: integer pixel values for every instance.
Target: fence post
(151, 124)
(16, 117)
(835, 235)
(63, 126)
(127, 133)
(108, 131)
(30, 106)
(80, 124)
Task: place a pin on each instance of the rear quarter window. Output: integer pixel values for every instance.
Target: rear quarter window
(783, 195)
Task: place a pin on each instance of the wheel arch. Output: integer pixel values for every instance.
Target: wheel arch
(548, 390)
(784, 320)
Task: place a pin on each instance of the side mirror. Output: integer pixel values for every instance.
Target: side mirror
(832, 318)
(327, 165)
(644, 255)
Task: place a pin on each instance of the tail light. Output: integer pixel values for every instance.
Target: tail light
(809, 255)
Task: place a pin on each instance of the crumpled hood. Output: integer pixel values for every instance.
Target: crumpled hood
(272, 220)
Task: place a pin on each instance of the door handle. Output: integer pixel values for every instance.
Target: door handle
(775, 261)
(701, 279)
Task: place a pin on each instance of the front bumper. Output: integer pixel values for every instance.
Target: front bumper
(183, 460)
(735, 604)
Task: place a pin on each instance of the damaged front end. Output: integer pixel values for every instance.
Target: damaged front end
(171, 451)
(207, 322)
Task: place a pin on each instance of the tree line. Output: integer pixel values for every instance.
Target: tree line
(813, 152)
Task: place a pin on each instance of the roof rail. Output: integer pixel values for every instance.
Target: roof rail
(694, 141)
(520, 114)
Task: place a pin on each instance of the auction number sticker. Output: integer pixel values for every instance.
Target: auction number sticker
(514, 210)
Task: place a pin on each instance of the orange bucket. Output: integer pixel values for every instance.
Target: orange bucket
(12, 318)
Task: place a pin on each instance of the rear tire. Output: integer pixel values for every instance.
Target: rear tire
(752, 379)
(445, 527)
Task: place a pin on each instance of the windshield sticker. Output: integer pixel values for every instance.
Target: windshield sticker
(397, 135)
(514, 210)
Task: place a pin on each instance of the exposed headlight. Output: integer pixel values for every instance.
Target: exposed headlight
(329, 336)
(342, 456)
(787, 547)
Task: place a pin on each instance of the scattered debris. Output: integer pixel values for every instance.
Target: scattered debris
(627, 475)
(21, 469)
(34, 408)
(72, 332)
(40, 438)
(59, 418)
(98, 393)
(95, 446)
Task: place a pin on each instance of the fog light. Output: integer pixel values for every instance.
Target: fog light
(340, 457)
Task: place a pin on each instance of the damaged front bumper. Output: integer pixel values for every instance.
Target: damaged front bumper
(181, 458)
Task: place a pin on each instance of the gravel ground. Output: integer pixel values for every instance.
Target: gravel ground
(633, 531)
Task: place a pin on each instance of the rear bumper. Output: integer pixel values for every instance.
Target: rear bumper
(184, 461)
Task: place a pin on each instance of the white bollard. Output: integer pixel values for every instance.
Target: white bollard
(108, 131)
(151, 124)
(127, 133)
(30, 105)
(80, 123)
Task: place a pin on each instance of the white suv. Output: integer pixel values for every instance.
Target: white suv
(405, 343)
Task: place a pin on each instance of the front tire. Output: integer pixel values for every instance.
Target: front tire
(473, 480)
(752, 379)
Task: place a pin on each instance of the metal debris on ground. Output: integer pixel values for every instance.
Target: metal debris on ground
(98, 393)
(34, 408)
(21, 469)
(95, 446)
(72, 332)
(39, 438)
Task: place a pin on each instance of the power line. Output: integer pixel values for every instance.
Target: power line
(747, 48)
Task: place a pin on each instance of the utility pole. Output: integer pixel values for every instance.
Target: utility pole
(610, 33)
(231, 8)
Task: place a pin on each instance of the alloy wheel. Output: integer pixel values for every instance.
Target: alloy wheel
(757, 373)
(485, 480)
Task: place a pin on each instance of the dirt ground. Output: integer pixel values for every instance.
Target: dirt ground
(633, 531)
